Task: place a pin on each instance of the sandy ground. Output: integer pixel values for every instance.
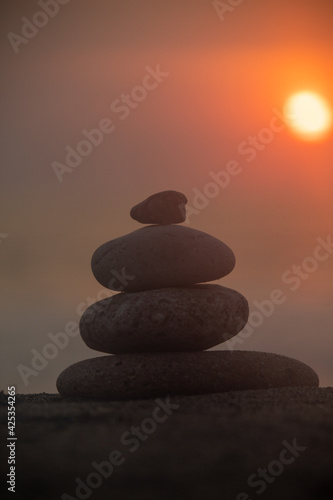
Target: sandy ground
(211, 447)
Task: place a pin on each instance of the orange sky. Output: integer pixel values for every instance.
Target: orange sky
(225, 80)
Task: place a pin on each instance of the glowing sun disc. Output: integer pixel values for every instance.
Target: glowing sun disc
(308, 115)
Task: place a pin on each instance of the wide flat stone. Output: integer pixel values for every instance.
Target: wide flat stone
(166, 207)
(167, 319)
(161, 256)
(131, 376)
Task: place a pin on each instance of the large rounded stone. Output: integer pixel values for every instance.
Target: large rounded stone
(159, 257)
(147, 375)
(166, 207)
(167, 319)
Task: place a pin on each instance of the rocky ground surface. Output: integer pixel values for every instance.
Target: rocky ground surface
(274, 444)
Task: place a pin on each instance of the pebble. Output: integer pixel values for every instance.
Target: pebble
(167, 319)
(150, 375)
(166, 207)
(161, 256)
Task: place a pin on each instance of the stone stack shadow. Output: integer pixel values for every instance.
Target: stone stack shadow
(159, 325)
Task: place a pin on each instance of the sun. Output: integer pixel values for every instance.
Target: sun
(308, 115)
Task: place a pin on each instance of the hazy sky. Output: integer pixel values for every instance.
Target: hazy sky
(221, 81)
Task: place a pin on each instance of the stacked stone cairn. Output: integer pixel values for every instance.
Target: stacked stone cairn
(163, 318)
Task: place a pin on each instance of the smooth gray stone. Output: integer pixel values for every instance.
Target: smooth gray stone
(166, 207)
(132, 376)
(166, 319)
(161, 256)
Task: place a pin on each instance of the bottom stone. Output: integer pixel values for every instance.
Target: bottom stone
(147, 375)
